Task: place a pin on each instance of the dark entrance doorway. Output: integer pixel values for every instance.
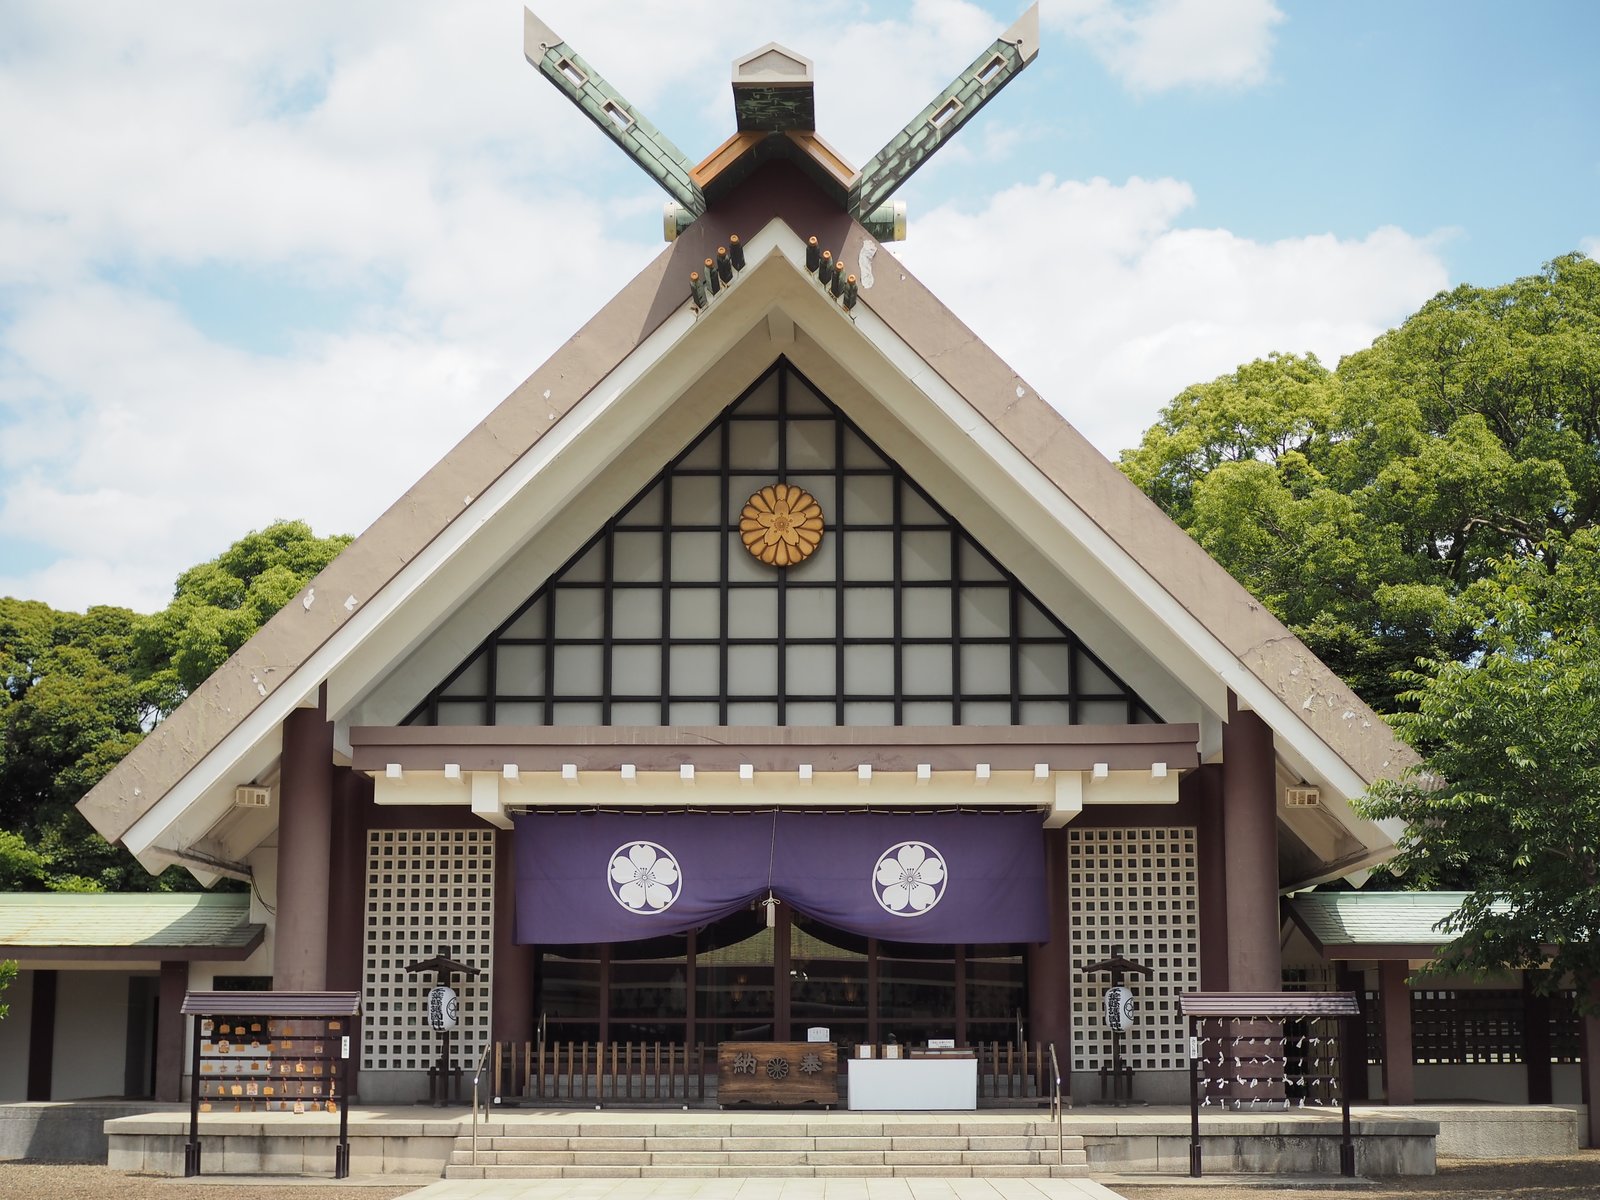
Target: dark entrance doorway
(740, 980)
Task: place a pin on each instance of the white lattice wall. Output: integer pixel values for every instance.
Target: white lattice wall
(426, 889)
(1137, 890)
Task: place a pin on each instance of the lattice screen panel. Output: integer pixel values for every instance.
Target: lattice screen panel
(427, 890)
(1137, 890)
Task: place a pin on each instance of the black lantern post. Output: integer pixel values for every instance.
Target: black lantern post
(1121, 1075)
(443, 967)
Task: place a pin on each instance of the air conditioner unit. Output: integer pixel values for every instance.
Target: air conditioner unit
(252, 797)
(1303, 797)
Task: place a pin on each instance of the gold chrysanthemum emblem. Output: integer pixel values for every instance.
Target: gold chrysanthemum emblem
(781, 525)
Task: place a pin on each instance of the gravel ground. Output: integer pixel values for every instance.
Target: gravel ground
(1576, 1177)
(79, 1181)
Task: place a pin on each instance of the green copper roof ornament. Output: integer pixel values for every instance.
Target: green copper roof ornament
(949, 111)
(615, 117)
(775, 113)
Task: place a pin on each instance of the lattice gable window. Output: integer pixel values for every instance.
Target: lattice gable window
(898, 617)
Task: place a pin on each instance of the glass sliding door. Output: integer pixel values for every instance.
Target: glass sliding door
(738, 980)
(648, 990)
(828, 981)
(735, 980)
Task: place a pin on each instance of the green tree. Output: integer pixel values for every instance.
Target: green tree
(1359, 504)
(8, 972)
(219, 604)
(1508, 796)
(79, 690)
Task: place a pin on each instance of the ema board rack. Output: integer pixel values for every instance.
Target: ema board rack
(271, 1052)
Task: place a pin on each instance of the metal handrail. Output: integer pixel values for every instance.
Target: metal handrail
(1055, 1099)
(477, 1076)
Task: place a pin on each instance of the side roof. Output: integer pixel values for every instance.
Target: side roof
(1247, 649)
(165, 925)
(1404, 925)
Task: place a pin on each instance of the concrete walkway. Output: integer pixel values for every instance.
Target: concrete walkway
(920, 1188)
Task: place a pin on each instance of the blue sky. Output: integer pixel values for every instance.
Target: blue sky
(270, 262)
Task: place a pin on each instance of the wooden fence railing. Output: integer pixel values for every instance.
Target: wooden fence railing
(599, 1071)
(670, 1072)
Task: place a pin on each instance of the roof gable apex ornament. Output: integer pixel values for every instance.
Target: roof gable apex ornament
(775, 113)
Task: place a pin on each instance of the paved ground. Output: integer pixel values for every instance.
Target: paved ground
(1574, 1177)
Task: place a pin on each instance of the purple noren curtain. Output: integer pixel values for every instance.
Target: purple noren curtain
(908, 877)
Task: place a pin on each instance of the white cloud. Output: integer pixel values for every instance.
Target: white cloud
(1107, 306)
(1590, 246)
(1156, 45)
(404, 157)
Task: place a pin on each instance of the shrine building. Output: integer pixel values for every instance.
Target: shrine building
(773, 659)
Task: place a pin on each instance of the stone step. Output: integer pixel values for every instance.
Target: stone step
(812, 1158)
(742, 1171)
(669, 1141)
(709, 1150)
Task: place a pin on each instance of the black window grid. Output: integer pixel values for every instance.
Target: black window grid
(784, 399)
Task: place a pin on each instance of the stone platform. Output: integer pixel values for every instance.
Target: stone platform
(570, 1144)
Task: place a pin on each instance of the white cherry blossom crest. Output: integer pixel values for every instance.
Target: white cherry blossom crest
(644, 877)
(909, 879)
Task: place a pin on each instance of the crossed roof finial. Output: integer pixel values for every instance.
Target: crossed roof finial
(773, 100)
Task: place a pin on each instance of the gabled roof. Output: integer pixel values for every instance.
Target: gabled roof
(917, 376)
(127, 925)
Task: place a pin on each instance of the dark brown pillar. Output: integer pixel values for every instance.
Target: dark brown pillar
(169, 1031)
(1589, 1068)
(347, 894)
(1211, 851)
(1353, 1052)
(305, 812)
(1050, 963)
(511, 972)
(1249, 799)
(1536, 1042)
(42, 1036)
(347, 890)
(1394, 995)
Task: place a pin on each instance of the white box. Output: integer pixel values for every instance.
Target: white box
(817, 1033)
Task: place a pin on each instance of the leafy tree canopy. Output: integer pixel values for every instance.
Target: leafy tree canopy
(79, 690)
(219, 604)
(1359, 503)
(1509, 798)
(1425, 518)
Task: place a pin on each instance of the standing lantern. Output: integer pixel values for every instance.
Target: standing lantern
(444, 1010)
(1117, 1008)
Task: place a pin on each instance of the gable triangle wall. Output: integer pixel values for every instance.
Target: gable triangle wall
(898, 618)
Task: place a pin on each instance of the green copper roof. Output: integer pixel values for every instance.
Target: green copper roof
(126, 920)
(1375, 918)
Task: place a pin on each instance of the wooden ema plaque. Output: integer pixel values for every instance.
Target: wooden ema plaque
(782, 1073)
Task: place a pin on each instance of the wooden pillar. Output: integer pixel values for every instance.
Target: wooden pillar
(42, 1036)
(347, 894)
(1353, 1054)
(1394, 995)
(1249, 799)
(1536, 1042)
(347, 879)
(1211, 851)
(511, 971)
(1589, 1068)
(169, 1031)
(305, 813)
(1050, 963)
